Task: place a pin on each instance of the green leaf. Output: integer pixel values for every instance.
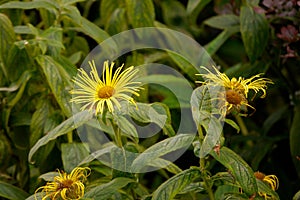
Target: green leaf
(105, 191)
(208, 112)
(297, 196)
(213, 46)
(151, 113)
(160, 149)
(7, 37)
(39, 117)
(49, 176)
(279, 114)
(233, 124)
(193, 187)
(175, 185)
(174, 14)
(12, 192)
(228, 191)
(36, 196)
(255, 32)
(122, 159)
(196, 5)
(295, 138)
(53, 39)
(242, 172)
(167, 165)
(107, 8)
(140, 13)
(16, 98)
(72, 154)
(126, 127)
(16, 85)
(184, 65)
(49, 5)
(64, 128)
(98, 154)
(85, 26)
(223, 21)
(117, 22)
(174, 90)
(57, 84)
(69, 2)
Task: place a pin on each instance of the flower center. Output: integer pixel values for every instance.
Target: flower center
(106, 92)
(233, 97)
(259, 175)
(65, 184)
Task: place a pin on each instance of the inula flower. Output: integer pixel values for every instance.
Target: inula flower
(236, 89)
(271, 180)
(99, 94)
(66, 186)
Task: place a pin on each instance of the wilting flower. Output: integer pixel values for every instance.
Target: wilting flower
(271, 180)
(289, 34)
(114, 87)
(66, 186)
(236, 90)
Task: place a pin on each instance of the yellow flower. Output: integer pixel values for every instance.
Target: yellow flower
(271, 180)
(236, 89)
(96, 93)
(66, 186)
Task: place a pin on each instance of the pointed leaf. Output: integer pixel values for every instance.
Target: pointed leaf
(126, 127)
(107, 8)
(97, 154)
(196, 5)
(140, 13)
(64, 128)
(223, 21)
(49, 176)
(213, 46)
(233, 124)
(167, 165)
(160, 149)
(175, 185)
(49, 5)
(255, 32)
(7, 37)
(57, 84)
(11, 192)
(242, 172)
(105, 191)
(183, 64)
(85, 25)
(156, 113)
(117, 23)
(72, 154)
(39, 117)
(208, 112)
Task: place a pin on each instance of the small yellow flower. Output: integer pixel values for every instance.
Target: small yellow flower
(271, 180)
(96, 93)
(236, 89)
(66, 186)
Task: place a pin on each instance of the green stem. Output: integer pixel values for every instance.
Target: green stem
(243, 128)
(208, 188)
(202, 167)
(201, 138)
(70, 137)
(242, 125)
(118, 137)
